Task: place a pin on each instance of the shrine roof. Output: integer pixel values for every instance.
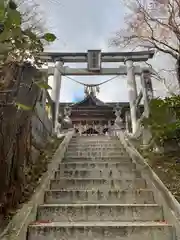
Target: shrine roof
(94, 101)
(91, 100)
(111, 104)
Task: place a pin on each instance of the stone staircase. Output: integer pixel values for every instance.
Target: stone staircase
(97, 193)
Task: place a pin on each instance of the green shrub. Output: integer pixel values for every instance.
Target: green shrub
(164, 119)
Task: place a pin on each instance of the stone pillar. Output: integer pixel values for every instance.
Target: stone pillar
(118, 121)
(109, 127)
(132, 88)
(127, 121)
(147, 96)
(55, 94)
(147, 90)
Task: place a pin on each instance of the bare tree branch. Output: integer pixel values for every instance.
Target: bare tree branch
(143, 25)
(32, 16)
(156, 24)
(170, 88)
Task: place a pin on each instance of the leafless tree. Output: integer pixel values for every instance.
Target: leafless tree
(32, 16)
(153, 23)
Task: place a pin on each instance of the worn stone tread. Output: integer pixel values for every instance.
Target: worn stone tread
(99, 205)
(101, 224)
(115, 174)
(107, 164)
(142, 196)
(94, 179)
(98, 183)
(100, 191)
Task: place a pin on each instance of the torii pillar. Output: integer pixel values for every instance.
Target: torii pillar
(147, 97)
(55, 94)
(147, 90)
(132, 89)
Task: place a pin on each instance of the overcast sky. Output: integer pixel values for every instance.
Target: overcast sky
(88, 24)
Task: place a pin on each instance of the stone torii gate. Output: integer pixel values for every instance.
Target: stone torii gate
(94, 60)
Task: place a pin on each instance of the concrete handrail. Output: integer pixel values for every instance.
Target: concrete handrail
(17, 228)
(162, 195)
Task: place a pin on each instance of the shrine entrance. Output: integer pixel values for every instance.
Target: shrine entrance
(97, 110)
(90, 131)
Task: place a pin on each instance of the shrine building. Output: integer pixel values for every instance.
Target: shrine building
(92, 112)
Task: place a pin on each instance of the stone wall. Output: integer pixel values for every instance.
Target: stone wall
(23, 133)
(41, 125)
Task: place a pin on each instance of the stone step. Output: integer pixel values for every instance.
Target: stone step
(98, 165)
(98, 173)
(95, 139)
(96, 144)
(97, 183)
(112, 159)
(99, 212)
(100, 231)
(95, 148)
(140, 196)
(95, 154)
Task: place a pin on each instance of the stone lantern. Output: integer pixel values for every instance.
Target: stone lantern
(118, 121)
(67, 123)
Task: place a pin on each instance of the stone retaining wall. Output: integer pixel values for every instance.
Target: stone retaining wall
(17, 228)
(163, 196)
